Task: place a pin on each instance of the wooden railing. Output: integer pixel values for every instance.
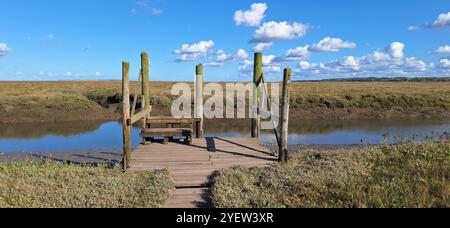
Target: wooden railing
(130, 118)
(129, 115)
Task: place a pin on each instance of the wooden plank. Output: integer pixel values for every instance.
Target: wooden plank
(141, 115)
(169, 120)
(166, 132)
(194, 166)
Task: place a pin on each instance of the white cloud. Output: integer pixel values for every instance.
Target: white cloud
(262, 46)
(388, 63)
(98, 74)
(442, 21)
(274, 31)
(246, 66)
(220, 57)
(272, 69)
(445, 63)
(298, 53)
(191, 52)
(4, 49)
(304, 65)
(347, 63)
(395, 50)
(413, 28)
(242, 54)
(268, 59)
(378, 56)
(252, 17)
(200, 47)
(414, 64)
(329, 44)
(190, 57)
(443, 50)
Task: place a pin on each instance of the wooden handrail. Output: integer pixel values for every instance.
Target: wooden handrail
(141, 115)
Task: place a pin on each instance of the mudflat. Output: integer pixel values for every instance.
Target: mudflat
(100, 100)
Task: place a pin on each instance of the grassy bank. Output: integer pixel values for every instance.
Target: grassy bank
(49, 185)
(407, 175)
(65, 101)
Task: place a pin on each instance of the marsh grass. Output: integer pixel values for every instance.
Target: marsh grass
(408, 175)
(45, 99)
(53, 185)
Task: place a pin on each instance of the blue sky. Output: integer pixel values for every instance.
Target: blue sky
(81, 39)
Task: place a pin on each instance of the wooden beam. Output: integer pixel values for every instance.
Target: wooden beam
(145, 85)
(139, 116)
(145, 78)
(257, 78)
(126, 115)
(135, 96)
(284, 121)
(199, 128)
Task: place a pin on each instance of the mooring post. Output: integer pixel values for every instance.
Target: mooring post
(145, 64)
(257, 79)
(126, 115)
(199, 123)
(284, 116)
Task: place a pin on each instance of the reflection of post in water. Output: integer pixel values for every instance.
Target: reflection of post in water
(386, 138)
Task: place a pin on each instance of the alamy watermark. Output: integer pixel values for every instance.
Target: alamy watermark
(229, 101)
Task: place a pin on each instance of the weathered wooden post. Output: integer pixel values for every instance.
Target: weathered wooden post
(257, 78)
(126, 115)
(145, 84)
(199, 123)
(135, 96)
(284, 116)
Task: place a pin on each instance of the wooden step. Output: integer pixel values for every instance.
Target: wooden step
(166, 132)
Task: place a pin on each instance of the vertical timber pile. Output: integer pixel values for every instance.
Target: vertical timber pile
(284, 127)
(126, 115)
(257, 78)
(145, 84)
(199, 123)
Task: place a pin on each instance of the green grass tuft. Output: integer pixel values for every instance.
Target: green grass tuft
(49, 185)
(409, 175)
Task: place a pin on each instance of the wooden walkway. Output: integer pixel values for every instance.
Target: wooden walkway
(192, 167)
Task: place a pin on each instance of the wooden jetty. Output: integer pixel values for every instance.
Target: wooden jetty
(192, 167)
(193, 162)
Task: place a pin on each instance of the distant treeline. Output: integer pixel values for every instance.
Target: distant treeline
(375, 79)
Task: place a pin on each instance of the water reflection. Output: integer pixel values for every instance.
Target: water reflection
(77, 136)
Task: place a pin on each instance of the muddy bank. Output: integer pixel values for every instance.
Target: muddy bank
(40, 115)
(27, 102)
(368, 114)
(98, 156)
(115, 156)
(37, 115)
